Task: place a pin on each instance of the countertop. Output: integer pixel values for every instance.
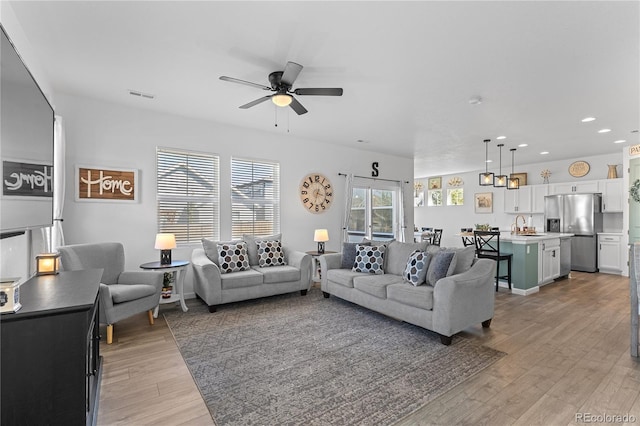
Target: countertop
(524, 239)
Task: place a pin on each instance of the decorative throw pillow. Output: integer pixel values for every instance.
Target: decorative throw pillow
(252, 247)
(369, 259)
(417, 265)
(232, 256)
(211, 250)
(270, 253)
(442, 265)
(464, 258)
(349, 254)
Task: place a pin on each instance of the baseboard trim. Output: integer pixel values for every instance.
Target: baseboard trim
(521, 292)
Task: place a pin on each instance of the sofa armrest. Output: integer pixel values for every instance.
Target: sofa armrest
(206, 278)
(327, 262)
(301, 261)
(464, 299)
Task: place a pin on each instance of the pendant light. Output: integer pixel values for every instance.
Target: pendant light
(514, 182)
(500, 181)
(486, 178)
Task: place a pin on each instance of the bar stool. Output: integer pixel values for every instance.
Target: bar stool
(488, 247)
(468, 240)
(437, 236)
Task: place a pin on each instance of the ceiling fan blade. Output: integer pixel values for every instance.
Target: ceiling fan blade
(290, 73)
(256, 102)
(319, 91)
(248, 83)
(297, 106)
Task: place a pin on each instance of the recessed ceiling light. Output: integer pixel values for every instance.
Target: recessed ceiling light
(501, 137)
(604, 130)
(475, 100)
(544, 152)
(489, 161)
(362, 141)
(522, 145)
(620, 141)
(588, 119)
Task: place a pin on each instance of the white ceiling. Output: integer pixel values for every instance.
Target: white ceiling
(408, 69)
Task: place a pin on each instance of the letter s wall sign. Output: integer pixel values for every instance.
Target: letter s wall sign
(106, 184)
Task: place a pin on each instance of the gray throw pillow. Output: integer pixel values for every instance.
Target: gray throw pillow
(349, 254)
(464, 258)
(211, 250)
(442, 265)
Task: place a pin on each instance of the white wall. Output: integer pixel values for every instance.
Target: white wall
(110, 135)
(452, 218)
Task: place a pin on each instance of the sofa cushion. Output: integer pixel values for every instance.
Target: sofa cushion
(464, 258)
(397, 255)
(248, 278)
(232, 257)
(211, 249)
(369, 259)
(128, 292)
(442, 265)
(348, 255)
(270, 253)
(342, 276)
(375, 285)
(279, 274)
(252, 247)
(407, 294)
(416, 267)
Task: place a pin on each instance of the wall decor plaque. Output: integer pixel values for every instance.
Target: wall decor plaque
(579, 168)
(106, 184)
(23, 179)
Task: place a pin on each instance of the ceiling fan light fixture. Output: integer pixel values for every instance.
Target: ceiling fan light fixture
(282, 99)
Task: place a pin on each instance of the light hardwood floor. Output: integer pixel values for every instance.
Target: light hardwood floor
(567, 354)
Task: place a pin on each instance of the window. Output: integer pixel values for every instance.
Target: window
(255, 197)
(373, 214)
(188, 195)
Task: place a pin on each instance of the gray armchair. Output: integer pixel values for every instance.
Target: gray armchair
(122, 294)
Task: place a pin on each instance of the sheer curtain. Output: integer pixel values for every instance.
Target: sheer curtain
(57, 236)
(401, 212)
(348, 197)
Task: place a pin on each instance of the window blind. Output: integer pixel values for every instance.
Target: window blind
(188, 193)
(255, 197)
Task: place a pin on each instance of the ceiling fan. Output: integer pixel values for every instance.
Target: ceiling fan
(281, 84)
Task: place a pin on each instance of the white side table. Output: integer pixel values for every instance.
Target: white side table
(315, 255)
(179, 270)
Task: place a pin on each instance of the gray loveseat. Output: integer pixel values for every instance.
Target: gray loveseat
(216, 287)
(465, 296)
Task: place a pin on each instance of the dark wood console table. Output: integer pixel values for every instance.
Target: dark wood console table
(50, 351)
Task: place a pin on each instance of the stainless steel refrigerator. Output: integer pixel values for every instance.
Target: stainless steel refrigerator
(581, 215)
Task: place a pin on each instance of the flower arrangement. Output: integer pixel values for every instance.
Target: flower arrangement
(545, 175)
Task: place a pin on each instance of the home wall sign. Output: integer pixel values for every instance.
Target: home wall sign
(106, 184)
(27, 179)
(634, 150)
(579, 169)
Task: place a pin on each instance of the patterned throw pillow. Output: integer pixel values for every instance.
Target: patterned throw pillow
(270, 253)
(417, 265)
(232, 256)
(348, 257)
(369, 259)
(442, 265)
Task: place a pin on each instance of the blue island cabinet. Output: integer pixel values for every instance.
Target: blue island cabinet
(524, 268)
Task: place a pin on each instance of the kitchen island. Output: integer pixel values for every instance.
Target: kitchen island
(537, 259)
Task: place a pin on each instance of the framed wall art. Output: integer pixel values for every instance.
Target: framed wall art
(483, 202)
(435, 183)
(94, 183)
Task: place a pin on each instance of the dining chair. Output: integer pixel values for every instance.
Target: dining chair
(468, 240)
(488, 247)
(437, 237)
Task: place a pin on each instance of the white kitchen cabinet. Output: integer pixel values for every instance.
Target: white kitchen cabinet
(577, 187)
(609, 253)
(538, 192)
(612, 195)
(549, 258)
(518, 200)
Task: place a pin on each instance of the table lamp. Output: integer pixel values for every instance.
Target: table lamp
(320, 236)
(164, 243)
(47, 263)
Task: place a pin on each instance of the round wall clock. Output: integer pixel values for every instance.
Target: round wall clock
(579, 168)
(316, 192)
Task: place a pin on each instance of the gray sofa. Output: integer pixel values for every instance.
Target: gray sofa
(216, 288)
(454, 302)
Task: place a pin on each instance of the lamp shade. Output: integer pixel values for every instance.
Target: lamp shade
(165, 241)
(321, 235)
(281, 99)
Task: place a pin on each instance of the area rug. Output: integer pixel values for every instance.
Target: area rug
(293, 360)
